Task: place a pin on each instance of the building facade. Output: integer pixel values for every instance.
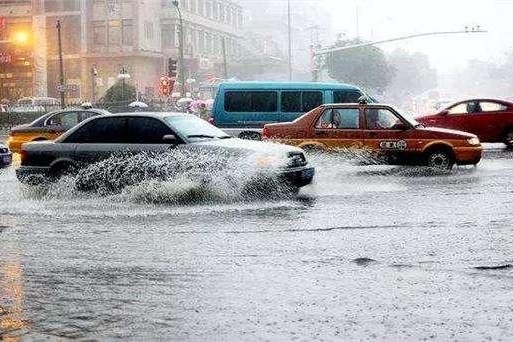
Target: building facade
(102, 37)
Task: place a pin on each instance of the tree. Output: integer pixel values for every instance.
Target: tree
(364, 66)
(119, 92)
(413, 75)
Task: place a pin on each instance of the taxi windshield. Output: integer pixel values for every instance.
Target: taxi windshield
(408, 117)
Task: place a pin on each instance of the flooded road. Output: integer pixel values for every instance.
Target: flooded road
(366, 252)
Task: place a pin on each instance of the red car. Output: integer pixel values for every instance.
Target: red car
(491, 120)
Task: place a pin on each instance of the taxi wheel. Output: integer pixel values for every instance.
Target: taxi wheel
(440, 159)
(508, 139)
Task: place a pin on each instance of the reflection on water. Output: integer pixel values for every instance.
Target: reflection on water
(12, 323)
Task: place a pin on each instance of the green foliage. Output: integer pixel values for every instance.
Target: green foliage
(364, 66)
(120, 92)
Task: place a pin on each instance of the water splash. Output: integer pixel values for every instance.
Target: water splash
(174, 177)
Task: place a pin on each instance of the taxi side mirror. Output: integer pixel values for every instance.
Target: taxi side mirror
(401, 126)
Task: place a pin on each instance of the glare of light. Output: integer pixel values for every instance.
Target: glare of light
(20, 37)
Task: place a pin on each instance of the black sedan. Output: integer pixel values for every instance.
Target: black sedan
(101, 137)
(5, 156)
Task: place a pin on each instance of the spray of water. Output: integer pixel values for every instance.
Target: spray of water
(174, 177)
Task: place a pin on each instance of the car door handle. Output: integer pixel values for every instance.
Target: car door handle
(320, 133)
(372, 134)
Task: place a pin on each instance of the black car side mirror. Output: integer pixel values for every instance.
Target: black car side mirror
(444, 112)
(169, 138)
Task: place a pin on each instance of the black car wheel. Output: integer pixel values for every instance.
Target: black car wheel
(508, 139)
(250, 136)
(440, 159)
(62, 169)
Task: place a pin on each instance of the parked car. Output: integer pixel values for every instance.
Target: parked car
(242, 108)
(50, 126)
(490, 119)
(379, 128)
(103, 136)
(5, 156)
(35, 104)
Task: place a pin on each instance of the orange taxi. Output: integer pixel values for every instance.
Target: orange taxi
(49, 126)
(378, 128)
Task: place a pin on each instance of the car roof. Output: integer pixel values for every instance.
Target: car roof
(254, 85)
(352, 105)
(158, 115)
(490, 99)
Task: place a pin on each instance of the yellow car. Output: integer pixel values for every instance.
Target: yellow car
(49, 126)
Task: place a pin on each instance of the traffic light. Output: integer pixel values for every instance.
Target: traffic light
(165, 85)
(171, 67)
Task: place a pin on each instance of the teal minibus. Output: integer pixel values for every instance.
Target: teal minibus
(243, 108)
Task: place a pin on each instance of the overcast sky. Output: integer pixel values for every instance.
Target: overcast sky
(382, 19)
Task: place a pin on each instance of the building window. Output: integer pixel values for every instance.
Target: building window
(148, 30)
(62, 5)
(99, 33)
(209, 43)
(239, 20)
(201, 38)
(127, 32)
(193, 6)
(168, 36)
(201, 7)
(221, 12)
(114, 32)
(229, 16)
(208, 7)
(215, 10)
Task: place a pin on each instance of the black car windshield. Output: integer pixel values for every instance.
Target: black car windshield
(192, 127)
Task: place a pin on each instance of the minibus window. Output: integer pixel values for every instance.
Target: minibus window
(310, 100)
(346, 96)
(251, 101)
(291, 101)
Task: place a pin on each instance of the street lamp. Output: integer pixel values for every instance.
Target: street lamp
(19, 39)
(180, 39)
(316, 54)
(123, 75)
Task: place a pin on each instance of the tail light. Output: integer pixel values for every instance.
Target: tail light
(265, 133)
(23, 157)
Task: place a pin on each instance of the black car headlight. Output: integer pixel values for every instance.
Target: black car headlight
(296, 159)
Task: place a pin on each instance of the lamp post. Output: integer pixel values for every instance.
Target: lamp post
(180, 39)
(62, 88)
(123, 75)
(94, 74)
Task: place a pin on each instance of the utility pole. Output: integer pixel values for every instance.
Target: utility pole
(290, 42)
(357, 22)
(225, 66)
(181, 41)
(61, 67)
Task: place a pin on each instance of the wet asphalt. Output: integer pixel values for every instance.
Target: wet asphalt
(367, 252)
